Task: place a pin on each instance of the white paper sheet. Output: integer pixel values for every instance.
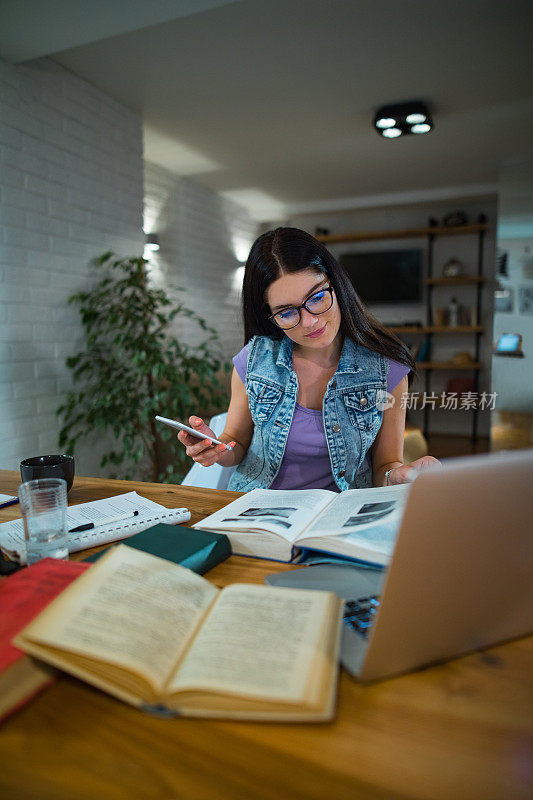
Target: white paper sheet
(12, 540)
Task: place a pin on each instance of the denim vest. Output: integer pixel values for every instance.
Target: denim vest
(351, 411)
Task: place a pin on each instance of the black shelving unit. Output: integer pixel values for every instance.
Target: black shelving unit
(430, 330)
(431, 285)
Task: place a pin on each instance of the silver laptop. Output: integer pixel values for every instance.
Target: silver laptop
(461, 576)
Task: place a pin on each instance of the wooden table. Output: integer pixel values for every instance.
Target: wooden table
(460, 730)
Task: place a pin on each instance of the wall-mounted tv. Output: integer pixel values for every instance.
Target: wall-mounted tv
(388, 276)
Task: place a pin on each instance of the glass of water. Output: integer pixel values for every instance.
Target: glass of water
(43, 504)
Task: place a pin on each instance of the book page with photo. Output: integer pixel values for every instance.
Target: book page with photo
(357, 523)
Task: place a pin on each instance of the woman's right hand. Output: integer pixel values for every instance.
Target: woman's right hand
(202, 450)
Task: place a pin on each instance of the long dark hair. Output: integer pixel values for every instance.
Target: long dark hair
(284, 250)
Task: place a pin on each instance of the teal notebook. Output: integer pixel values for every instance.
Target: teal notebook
(199, 551)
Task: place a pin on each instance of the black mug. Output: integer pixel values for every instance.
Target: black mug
(48, 467)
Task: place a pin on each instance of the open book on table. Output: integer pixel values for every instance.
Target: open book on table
(158, 636)
(360, 524)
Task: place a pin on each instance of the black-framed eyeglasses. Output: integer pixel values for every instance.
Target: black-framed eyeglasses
(318, 303)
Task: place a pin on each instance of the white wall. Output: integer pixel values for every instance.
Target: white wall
(462, 247)
(204, 238)
(512, 378)
(71, 188)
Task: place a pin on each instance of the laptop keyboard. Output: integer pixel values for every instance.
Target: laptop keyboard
(359, 614)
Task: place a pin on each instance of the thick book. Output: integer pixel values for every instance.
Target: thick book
(22, 597)
(162, 638)
(360, 524)
(196, 550)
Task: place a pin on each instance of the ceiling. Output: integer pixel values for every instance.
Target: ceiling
(271, 101)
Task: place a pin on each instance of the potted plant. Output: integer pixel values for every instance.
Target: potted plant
(132, 368)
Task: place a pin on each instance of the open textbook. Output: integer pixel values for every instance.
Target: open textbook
(160, 637)
(277, 524)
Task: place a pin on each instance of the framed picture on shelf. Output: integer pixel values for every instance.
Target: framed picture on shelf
(503, 299)
(525, 299)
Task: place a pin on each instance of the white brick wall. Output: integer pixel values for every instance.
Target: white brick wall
(71, 187)
(204, 238)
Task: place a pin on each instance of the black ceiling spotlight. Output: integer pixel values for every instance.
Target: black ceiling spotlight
(399, 119)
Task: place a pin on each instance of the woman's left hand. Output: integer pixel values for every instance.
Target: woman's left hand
(406, 473)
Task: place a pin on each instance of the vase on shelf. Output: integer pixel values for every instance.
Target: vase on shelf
(453, 313)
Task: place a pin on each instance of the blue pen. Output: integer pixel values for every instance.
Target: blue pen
(9, 503)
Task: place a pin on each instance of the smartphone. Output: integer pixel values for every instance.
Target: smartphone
(181, 427)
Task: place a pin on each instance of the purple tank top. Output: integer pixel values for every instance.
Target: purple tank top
(306, 463)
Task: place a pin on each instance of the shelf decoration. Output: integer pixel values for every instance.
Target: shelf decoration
(463, 358)
(454, 219)
(453, 268)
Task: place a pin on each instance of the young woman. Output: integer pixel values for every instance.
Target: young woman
(316, 390)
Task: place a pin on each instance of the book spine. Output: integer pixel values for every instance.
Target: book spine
(86, 539)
